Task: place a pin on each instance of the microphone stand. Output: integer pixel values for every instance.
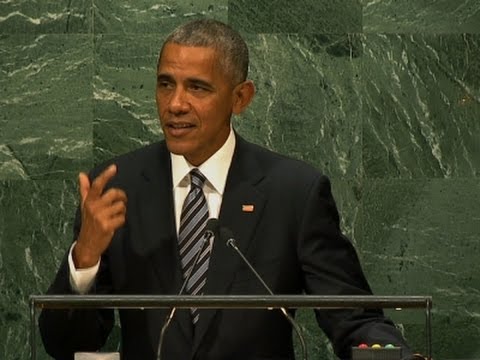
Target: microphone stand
(209, 233)
(231, 243)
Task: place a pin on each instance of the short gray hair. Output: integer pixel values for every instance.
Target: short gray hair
(232, 49)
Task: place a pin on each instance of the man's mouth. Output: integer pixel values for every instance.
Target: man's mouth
(179, 129)
(180, 125)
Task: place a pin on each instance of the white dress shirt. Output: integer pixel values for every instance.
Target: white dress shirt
(215, 169)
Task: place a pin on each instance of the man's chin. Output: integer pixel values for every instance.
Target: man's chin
(177, 150)
(181, 148)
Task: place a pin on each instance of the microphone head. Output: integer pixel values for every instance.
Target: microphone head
(212, 225)
(227, 235)
(210, 229)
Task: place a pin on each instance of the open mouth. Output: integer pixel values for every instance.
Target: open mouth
(179, 129)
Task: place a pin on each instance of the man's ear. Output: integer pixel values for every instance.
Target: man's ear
(243, 95)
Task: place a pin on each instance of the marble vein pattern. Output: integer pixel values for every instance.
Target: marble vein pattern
(46, 105)
(152, 16)
(422, 237)
(301, 16)
(306, 104)
(421, 16)
(36, 220)
(421, 105)
(45, 17)
(125, 114)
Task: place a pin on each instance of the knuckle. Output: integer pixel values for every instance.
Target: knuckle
(104, 226)
(121, 194)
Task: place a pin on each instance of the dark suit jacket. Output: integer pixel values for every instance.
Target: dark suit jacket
(292, 238)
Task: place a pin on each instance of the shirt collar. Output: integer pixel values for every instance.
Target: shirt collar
(215, 168)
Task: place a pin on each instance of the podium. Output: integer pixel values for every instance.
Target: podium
(228, 302)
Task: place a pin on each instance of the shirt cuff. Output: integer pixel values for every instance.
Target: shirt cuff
(81, 280)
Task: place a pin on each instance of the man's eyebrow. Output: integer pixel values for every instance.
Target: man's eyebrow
(200, 82)
(164, 77)
(191, 80)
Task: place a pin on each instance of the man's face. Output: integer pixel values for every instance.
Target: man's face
(195, 100)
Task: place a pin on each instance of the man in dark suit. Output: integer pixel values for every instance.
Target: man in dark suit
(129, 229)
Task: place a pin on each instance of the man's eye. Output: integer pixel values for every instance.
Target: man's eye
(197, 88)
(165, 85)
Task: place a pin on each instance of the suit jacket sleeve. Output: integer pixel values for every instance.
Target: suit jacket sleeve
(65, 332)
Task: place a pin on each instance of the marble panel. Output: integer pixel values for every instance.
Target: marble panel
(307, 105)
(421, 16)
(421, 105)
(124, 91)
(301, 16)
(45, 17)
(46, 106)
(317, 343)
(421, 237)
(36, 229)
(152, 16)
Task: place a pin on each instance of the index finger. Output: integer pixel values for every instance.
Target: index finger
(101, 180)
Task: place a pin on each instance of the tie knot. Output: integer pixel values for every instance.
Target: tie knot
(197, 178)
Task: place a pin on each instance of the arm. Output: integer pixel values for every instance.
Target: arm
(100, 214)
(64, 332)
(331, 267)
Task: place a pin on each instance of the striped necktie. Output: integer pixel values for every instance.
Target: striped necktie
(190, 237)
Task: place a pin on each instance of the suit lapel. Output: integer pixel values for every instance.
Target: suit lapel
(157, 226)
(242, 205)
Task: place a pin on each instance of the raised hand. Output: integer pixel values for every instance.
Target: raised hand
(102, 214)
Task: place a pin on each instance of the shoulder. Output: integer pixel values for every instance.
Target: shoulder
(284, 180)
(279, 166)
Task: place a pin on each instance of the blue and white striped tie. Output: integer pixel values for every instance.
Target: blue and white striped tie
(190, 237)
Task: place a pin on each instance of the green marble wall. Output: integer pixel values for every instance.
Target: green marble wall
(383, 95)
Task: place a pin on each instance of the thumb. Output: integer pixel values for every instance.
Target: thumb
(84, 185)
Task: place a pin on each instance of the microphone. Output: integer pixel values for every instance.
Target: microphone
(225, 233)
(210, 229)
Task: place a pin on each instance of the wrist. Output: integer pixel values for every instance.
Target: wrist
(83, 258)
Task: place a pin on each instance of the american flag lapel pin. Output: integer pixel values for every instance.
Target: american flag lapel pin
(248, 208)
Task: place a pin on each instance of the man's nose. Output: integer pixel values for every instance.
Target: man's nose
(179, 102)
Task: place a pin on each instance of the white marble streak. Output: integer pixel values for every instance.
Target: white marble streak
(135, 109)
(10, 166)
(48, 17)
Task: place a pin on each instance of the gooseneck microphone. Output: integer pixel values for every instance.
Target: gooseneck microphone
(227, 234)
(210, 228)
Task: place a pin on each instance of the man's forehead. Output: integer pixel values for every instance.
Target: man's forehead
(173, 53)
(190, 62)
